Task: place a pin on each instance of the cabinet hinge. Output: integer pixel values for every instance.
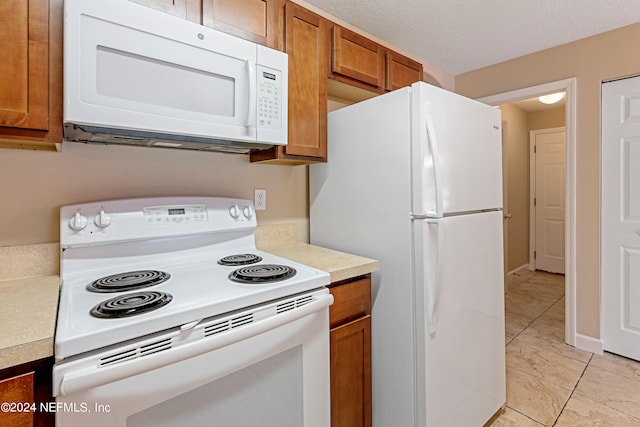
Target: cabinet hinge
(535, 149)
(535, 201)
(534, 254)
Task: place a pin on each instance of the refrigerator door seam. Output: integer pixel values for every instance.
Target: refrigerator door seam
(414, 216)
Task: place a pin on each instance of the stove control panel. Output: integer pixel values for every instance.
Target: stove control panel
(116, 221)
(175, 214)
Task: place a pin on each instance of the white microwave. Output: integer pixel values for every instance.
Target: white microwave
(137, 76)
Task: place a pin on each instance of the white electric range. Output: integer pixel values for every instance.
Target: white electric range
(136, 272)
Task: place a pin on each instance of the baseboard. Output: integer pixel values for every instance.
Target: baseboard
(522, 267)
(594, 345)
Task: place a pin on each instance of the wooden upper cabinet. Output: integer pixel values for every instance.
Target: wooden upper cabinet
(255, 20)
(305, 35)
(306, 42)
(357, 58)
(185, 9)
(359, 61)
(31, 64)
(401, 71)
(24, 42)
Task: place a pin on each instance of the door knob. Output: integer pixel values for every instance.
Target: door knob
(507, 216)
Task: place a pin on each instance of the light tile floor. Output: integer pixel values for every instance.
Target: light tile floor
(550, 383)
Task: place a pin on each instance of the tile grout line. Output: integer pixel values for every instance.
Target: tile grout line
(572, 391)
(524, 329)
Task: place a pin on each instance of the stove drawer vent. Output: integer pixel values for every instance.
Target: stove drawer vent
(294, 303)
(136, 352)
(228, 324)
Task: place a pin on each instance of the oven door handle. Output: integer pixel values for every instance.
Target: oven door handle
(94, 376)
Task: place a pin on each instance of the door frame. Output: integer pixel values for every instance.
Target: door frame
(505, 200)
(532, 190)
(569, 87)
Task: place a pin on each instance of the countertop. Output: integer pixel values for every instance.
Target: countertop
(28, 308)
(339, 265)
(28, 305)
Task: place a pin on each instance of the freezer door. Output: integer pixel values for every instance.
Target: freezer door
(459, 321)
(456, 153)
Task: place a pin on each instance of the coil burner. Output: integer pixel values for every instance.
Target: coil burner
(131, 304)
(129, 281)
(264, 273)
(240, 259)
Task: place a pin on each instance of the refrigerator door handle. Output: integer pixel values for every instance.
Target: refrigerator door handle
(435, 158)
(433, 290)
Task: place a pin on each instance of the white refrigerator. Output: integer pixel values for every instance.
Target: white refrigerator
(414, 179)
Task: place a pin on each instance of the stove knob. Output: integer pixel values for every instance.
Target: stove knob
(247, 211)
(102, 220)
(234, 211)
(78, 222)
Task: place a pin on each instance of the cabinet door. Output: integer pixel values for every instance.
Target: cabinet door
(255, 20)
(305, 38)
(351, 374)
(185, 9)
(357, 58)
(19, 391)
(351, 300)
(401, 71)
(306, 42)
(24, 43)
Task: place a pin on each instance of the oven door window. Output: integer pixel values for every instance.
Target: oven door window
(268, 393)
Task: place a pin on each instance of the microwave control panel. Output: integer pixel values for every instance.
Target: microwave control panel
(269, 98)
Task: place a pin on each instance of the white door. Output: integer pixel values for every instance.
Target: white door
(620, 217)
(548, 184)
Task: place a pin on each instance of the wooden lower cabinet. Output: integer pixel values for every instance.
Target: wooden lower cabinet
(351, 374)
(17, 393)
(24, 393)
(350, 337)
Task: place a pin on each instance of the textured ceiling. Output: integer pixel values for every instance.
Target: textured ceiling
(463, 35)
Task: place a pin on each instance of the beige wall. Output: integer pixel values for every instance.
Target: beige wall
(518, 125)
(517, 189)
(546, 119)
(34, 184)
(606, 56)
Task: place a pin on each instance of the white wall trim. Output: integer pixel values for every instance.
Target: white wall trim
(594, 345)
(515, 270)
(569, 87)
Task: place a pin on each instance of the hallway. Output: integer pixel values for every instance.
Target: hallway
(550, 383)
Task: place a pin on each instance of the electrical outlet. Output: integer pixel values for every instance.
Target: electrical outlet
(260, 199)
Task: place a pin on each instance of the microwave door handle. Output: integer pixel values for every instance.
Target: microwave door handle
(251, 107)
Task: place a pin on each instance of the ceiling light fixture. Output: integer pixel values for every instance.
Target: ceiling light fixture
(551, 98)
